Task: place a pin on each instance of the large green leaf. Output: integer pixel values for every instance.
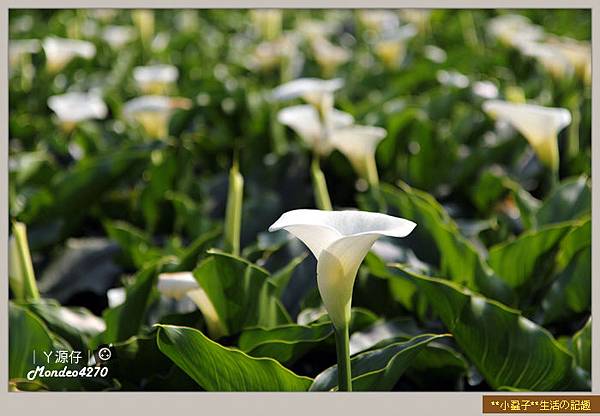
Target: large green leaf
(125, 320)
(217, 368)
(582, 346)
(529, 256)
(508, 349)
(129, 365)
(241, 293)
(460, 260)
(285, 343)
(76, 325)
(570, 292)
(27, 336)
(570, 200)
(379, 369)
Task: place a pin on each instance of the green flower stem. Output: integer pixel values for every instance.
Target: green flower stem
(24, 283)
(233, 214)
(319, 186)
(342, 345)
(371, 169)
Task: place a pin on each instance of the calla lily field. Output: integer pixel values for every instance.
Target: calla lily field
(300, 200)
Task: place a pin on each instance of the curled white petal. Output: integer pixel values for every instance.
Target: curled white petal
(60, 51)
(551, 57)
(176, 285)
(340, 240)
(184, 284)
(77, 106)
(512, 29)
(116, 296)
(332, 225)
(305, 121)
(539, 125)
(302, 87)
(358, 144)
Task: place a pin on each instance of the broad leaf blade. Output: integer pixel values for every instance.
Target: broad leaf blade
(379, 369)
(284, 343)
(508, 349)
(217, 368)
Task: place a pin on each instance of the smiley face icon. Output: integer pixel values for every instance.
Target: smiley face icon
(104, 354)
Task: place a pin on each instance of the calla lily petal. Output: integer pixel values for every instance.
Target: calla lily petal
(306, 122)
(73, 107)
(154, 111)
(539, 125)
(181, 284)
(306, 87)
(512, 29)
(340, 240)
(60, 51)
(358, 144)
(155, 78)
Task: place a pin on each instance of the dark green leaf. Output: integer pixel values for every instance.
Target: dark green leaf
(217, 368)
(379, 369)
(508, 349)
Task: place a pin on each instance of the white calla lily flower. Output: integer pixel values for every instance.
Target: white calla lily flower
(512, 29)
(59, 51)
(153, 112)
(183, 284)
(155, 79)
(329, 56)
(579, 55)
(118, 36)
(318, 92)
(340, 240)
(306, 122)
(391, 47)
(550, 57)
(539, 125)
(358, 144)
(74, 107)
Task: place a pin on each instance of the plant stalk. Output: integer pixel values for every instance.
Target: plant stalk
(23, 279)
(233, 214)
(322, 199)
(342, 345)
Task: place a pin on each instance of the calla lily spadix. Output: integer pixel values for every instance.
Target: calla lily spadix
(358, 144)
(59, 51)
(183, 284)
(340, 240)
(318, 92)
(306, 122)
(539, 125)
(73, 107)
(155, 79)
(153, 112)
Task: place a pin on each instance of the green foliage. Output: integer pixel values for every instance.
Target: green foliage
(99, 204)
(198, 357)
